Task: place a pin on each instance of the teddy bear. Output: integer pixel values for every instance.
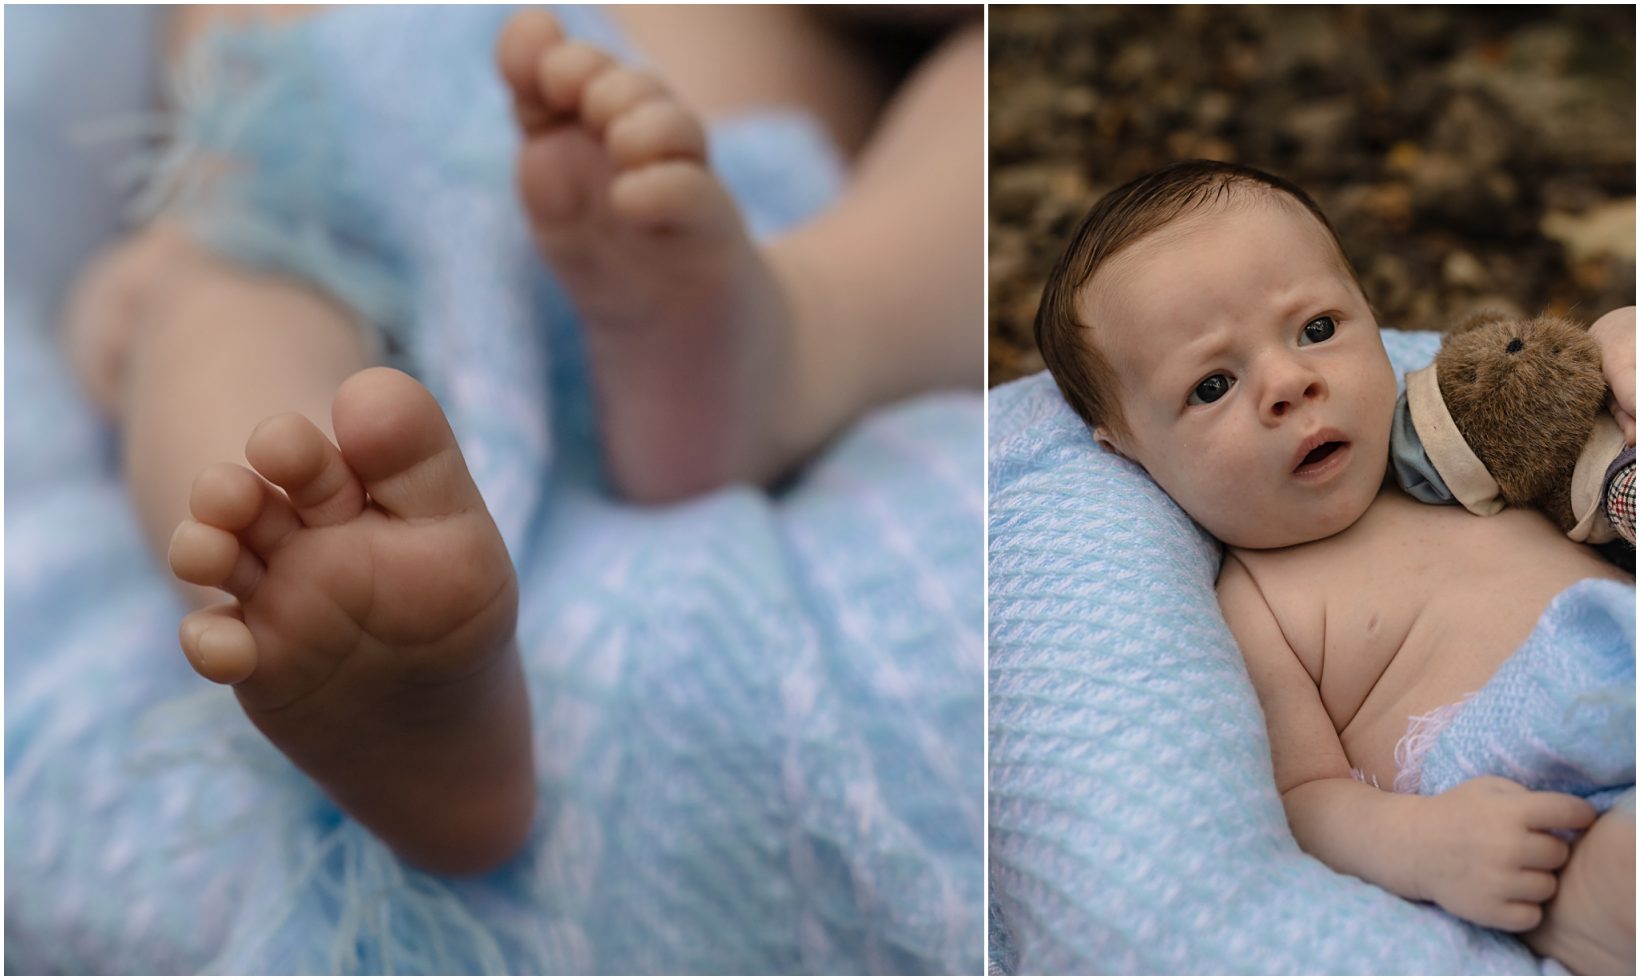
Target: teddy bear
(1525, 395)
(1513, 412)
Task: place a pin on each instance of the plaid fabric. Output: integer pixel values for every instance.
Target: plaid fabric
(1620, 501)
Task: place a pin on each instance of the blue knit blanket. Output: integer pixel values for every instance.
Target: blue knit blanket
(758, 717)
(1559, 714)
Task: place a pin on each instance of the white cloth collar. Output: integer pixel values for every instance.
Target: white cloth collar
(1462, 471)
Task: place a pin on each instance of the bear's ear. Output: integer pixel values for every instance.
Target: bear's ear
(1477, 320)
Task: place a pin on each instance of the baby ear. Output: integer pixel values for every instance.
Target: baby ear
(1107, 441)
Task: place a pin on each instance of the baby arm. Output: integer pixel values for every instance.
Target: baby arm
(1614, 332)
(1480, 850)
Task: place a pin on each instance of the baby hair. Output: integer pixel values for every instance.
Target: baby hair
(1123, 216)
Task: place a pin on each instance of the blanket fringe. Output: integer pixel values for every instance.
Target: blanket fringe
(1422, 733)
(382, 916)
(249, 161)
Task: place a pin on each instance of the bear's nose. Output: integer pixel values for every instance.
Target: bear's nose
(1514, 346)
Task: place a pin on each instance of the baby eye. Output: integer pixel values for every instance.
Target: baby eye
(1211, 389)
(1319, 329)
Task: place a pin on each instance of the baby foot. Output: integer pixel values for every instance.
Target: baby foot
(689, 330)
(372, 636)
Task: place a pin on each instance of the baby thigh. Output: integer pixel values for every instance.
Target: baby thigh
(1589, 925)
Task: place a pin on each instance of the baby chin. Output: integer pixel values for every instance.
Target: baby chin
(1306, 513)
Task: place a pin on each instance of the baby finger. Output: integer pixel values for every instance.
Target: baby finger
(1533, 886)
(1625, 421)
(1558, 811)
(1544, 852)
(1518, 917)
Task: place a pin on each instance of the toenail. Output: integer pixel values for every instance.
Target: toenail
(202, 645)
(179, 537)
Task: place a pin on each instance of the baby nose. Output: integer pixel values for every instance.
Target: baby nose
(1293, 386)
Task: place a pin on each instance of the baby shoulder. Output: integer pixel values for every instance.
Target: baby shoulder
(1242, 580)
(1244, 605)
(1254, 622)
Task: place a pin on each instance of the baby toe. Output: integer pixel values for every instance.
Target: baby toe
(211, 557)
(218, 645)
(659, 129)
(291, 452)
(615, 92)
(225, 495)
(233, 498)
(565, 71)
(673, 195)
(399, 442)
(518, 49)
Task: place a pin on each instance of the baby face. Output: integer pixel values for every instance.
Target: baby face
(1253, 380)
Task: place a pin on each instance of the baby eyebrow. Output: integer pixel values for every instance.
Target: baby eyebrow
(1202, 353)
(1296, 305)
(1309, 300)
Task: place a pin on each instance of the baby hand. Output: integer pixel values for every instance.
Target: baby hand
(1489, 856)
(1614, 332)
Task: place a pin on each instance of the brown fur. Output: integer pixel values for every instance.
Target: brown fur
(1525, 414)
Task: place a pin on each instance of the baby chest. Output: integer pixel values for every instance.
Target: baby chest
(1416, 605)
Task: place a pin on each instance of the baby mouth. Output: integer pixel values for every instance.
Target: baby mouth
(1316, 459)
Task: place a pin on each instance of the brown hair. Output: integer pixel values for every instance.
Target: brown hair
(1123, 216)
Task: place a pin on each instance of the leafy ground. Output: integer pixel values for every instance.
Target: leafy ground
(1470, 157)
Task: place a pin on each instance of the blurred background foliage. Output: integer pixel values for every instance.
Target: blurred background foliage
(1470, 157)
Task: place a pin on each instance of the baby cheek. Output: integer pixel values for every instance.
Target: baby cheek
(1211, 460)
(1373, 411)
(1209, 480)
(1380, 391)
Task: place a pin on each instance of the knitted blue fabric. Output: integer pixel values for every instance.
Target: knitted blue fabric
(758, 718)
(1134, 822)
(1559, 714)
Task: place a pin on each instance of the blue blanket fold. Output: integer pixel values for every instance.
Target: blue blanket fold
(758, 718)
(1559, 714)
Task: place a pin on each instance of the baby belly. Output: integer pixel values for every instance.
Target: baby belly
(1452, 649)
(1431, 603)
(1389, 725)
(1378, 751)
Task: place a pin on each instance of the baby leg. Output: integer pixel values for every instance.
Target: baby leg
(189, 351)
(1589, 924)
(897, 268)
(371, 633)
(370, 636)
(715, 360)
